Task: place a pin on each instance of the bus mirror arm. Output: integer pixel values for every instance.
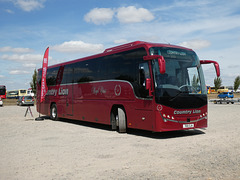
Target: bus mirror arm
(216, 65)
(161, 62)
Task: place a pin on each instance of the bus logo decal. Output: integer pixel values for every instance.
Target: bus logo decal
(99, 90)
(52, 92)
(62, 91)
(159, 107)
(117, 90)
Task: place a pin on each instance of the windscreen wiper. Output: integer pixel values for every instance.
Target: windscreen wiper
(180, 92)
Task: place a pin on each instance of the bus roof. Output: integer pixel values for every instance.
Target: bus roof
(120, 48)
(140, 43)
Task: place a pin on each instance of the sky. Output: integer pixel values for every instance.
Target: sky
(75, 28)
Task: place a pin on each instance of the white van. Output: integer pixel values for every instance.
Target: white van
(30, 92)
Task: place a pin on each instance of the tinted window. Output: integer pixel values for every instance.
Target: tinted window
(123, 66)
(67, 76)
(120, 66)
(86, 71)
(28, 97)
(52, 76)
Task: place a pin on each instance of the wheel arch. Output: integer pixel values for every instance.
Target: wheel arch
(52, 104)
(115, 107)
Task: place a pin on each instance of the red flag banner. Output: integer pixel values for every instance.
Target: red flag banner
(44, 88)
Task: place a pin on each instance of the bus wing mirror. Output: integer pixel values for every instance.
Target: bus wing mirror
(216, 65)
(161, 62)
(148, 83)
(162, 65)
(148, 86)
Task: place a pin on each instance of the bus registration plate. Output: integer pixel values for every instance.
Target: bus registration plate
(188, 125)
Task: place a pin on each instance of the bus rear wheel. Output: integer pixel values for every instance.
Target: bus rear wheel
(53, 112)
(119, 120)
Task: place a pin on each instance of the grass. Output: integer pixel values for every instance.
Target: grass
(9, 102)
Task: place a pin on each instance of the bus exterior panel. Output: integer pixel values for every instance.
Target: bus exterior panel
(126, 84)
(85, 102)
(180, 119)
(3, 92)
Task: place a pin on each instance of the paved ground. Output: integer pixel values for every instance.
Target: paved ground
(76, 150)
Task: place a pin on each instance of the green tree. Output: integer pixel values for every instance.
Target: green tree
(236, 83)
(33, 84)
(217, 83)
(195, 81)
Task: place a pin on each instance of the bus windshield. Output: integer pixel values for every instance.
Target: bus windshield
(183, 76)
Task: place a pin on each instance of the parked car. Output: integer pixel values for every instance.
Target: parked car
(25, 100)
(1, 102)
(226, 95)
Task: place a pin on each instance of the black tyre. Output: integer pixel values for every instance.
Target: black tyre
(53, 112)
(113, 121)
(122, 121)
(119, 120)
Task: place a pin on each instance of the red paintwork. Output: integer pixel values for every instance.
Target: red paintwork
(3, 96)
(93, 101)
(198, 117)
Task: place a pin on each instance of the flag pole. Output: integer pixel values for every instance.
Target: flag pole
(44, 88)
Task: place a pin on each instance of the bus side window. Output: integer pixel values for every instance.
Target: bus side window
(67, 74)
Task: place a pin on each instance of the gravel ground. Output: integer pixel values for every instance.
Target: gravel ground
(77, 150)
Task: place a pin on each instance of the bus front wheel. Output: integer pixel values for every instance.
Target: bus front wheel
(53, 112)
(118, 119)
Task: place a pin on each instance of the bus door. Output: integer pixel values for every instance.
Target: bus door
(144, 105)
(66, 90)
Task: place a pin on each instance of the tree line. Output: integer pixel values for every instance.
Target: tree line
(218, 83)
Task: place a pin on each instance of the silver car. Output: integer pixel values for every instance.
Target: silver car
(25, 100)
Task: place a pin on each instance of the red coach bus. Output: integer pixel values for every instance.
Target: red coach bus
(2, 92)
(149, 86)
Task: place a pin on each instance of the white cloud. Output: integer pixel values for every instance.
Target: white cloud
(30, 65)
(23, 57)
(29, 5)
(131, 14)
(99, 16)
(9, 11)
(15, 50)
(2, 76)
(78, 47)
(127, 15)
(14, 72)
(195, 44)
